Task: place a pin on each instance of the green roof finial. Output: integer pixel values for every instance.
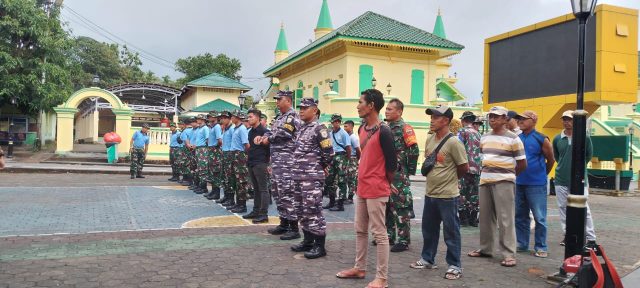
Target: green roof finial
(438, 29)
(324, 21)
(282, 40)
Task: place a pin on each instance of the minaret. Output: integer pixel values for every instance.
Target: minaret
(438, 29)
(324, 25)
(282, 49)
(442, 65)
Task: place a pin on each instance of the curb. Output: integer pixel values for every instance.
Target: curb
(77, 171)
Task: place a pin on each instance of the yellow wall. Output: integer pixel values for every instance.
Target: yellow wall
(200, 95)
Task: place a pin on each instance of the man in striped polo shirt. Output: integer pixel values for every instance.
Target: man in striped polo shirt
(503, 159)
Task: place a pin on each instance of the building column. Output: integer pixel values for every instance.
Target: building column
(95, 118)
(65, 129)
(123, 129)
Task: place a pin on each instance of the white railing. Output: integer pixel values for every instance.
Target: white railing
(158, 136)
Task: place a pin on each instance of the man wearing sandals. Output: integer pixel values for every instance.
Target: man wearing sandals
(377, 168)
(531, 185)
(503, 159)
(442, 195)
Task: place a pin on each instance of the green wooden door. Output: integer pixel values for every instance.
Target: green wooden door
(316, 93)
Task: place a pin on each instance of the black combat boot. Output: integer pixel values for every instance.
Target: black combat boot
(241, 207)
(306, 244)
(332, 202)
(197, 187)
(251, 215)
(224, 199)
(186, 180)
(133, 175)
(280, 229)
(292, 231)
(229, 204)
(174, 175)
(215, 193)
(203, 188)
(139, 175)
(339, 207)
(263, 218)
(318, 248)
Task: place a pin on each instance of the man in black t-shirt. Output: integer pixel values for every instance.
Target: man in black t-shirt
(258, 160)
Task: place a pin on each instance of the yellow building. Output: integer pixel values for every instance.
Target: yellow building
(372, 50)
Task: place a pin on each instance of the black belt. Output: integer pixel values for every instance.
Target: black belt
(201, 147)
(341, 153)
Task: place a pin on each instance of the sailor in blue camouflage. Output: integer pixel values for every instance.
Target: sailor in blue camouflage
(312, 156)
(281, 139)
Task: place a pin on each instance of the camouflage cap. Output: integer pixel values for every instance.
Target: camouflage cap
(145, 125)
(201, 117)
(225, 114)
(213, 114)
(468, 114)
(336, 117)
(308, 102)
(283, 93)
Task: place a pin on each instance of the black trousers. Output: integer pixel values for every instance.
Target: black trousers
(259, 179)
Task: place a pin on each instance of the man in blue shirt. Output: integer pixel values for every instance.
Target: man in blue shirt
(227, 160)
(139, 147)
(174, 149)
(239, 148)
(185, 167)
(193, 163)
(337, 177)
(215, 156)
(201, 155)
(531, 185)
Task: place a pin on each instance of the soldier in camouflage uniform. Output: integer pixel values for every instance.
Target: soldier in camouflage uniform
(174, 149)
(193, 163)
(227, 160)
(281, 139)
(311, 157)
(470, 137)
(399, 205)
(352, 168)
(202, 155)
(215, 156)
(337, 178)
(239, 147)
(185, 169)
(139, 146)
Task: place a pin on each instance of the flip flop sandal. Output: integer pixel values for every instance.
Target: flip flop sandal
(541, 254)
(452, 274)
(509, 262)
(478, 253)
(348, 274)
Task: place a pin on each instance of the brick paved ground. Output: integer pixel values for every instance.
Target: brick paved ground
(237, 256)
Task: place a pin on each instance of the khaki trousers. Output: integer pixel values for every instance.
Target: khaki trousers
(371, 213)
(497, 212)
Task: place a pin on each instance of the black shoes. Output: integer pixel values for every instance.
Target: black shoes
(280, 229)
(292, 231)
(338, 207)
(400, 247)
(251, 215)
(214, 194)
(140, 176)
(305, 245)
(332, 202)
(318, 248)
(260, 219)
(224, 199)
(240, 208)
(133, 176)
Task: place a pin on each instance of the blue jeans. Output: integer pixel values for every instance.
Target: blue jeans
(445, 210)
(531, 198)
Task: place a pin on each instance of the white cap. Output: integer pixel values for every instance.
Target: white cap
(568, 113)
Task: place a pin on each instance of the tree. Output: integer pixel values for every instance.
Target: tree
(94, 57)
(201, 65)
(34, 58)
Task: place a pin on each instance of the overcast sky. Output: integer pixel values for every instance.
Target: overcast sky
(248, 29)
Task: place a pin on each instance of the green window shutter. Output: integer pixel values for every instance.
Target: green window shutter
(316, 93)
(366, 74)
(336, 86)
(417, 86)
(298, 95)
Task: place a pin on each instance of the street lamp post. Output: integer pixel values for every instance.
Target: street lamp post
(241, 99)
(576, 201)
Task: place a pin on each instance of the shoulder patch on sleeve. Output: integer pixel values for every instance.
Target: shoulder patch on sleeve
(409, 135)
